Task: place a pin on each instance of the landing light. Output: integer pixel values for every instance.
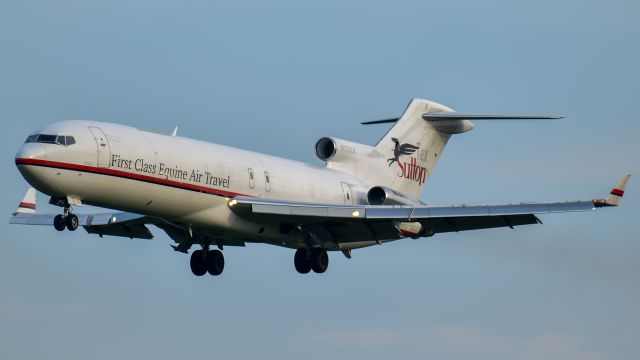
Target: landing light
(355, 213)
(233, 202)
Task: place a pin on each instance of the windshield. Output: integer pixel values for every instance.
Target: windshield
(51, 139)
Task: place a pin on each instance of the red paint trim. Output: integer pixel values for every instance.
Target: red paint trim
(617, 192)
(407, 233)
(126, 175)
(27, 205)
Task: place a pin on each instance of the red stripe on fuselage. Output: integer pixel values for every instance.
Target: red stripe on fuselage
(27, 205)
(126, 175)
(617, 192)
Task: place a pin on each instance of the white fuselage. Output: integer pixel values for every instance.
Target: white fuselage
(175, 178)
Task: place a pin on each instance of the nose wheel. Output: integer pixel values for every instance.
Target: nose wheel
(67, 220)
(59, 223)
(72, 222)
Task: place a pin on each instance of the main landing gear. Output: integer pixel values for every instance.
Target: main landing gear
(314, 259)
(66, 220)
(203, 261)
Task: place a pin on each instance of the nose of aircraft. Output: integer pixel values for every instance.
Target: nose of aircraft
(31, 151)
(28, 155)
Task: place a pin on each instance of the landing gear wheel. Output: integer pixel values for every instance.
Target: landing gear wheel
(215, 262)
(198, 264)
(319, 260)
(59, 223)
(72, 222)
(301, 261)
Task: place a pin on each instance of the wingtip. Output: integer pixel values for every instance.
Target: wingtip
(28, 203)
(616, 194)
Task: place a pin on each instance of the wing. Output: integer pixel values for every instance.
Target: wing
(362, 223)
(114, 224)
(408, 149)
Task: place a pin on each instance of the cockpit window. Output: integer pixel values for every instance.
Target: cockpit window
(46, 139)
(51, 139)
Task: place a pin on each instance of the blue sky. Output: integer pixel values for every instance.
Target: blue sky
(274, 77)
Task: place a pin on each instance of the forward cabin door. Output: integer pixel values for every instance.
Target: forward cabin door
(104, 150)
(346, 192)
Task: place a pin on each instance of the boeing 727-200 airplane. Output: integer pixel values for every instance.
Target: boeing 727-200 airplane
(210, 195)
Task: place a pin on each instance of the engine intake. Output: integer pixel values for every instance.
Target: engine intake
(325, 148)
(380, 195)
(338, 150)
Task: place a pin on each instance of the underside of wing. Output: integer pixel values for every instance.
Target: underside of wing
(123, 224)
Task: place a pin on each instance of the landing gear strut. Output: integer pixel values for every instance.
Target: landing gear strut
(66, 220)
(316, 260)
(203, 261)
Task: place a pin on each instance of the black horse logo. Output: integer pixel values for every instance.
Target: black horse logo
(401, 149)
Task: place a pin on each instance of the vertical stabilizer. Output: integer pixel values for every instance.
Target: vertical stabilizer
(412, 147)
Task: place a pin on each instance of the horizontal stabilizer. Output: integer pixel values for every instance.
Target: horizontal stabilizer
(440, 116)
(436, 116)
(383, 121)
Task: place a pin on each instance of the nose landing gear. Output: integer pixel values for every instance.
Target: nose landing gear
(66, 220)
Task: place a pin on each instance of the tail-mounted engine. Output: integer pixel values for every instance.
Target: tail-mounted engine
(380, 195)
(342, 155)
(338, 150)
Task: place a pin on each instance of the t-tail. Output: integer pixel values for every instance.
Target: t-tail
(404, 159)
(412, 147)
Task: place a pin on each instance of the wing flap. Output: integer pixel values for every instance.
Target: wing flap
(443, 225)
(127, 229)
